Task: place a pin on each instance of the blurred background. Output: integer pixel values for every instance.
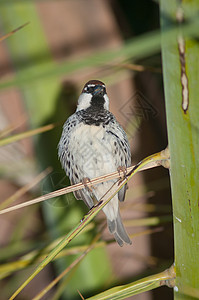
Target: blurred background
(43, 68)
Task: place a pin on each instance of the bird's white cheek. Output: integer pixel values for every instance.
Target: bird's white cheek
(84, 101)
(106, 104)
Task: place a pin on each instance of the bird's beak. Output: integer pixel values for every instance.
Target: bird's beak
(98, 90)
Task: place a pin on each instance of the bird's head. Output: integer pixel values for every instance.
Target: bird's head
(93, 96)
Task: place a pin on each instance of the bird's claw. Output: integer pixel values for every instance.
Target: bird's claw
(122, 170)
(85, 182)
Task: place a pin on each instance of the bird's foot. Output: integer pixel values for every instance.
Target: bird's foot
(122, 170)
(85, 182)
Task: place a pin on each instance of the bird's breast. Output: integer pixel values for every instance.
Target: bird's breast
(92, 150)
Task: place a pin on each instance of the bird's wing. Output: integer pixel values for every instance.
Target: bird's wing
(66, 158)
(63, 149)
(121, 151)
(83, 195)
(121, 147)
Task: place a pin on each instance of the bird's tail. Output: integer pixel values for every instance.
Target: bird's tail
(116, 227)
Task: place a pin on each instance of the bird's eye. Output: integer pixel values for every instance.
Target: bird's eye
(91, 89)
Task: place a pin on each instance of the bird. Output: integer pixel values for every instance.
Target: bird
(94, 144)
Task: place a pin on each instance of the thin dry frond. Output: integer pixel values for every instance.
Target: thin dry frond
(156, 160)
(24, 135)
(13, 31)
(25, 188)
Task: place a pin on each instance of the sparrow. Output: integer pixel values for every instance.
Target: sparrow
(93, 144)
